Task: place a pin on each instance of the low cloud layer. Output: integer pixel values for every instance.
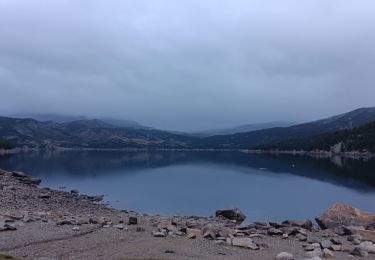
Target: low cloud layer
(189, 64)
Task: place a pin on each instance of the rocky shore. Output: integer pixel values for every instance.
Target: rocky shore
(45, 224)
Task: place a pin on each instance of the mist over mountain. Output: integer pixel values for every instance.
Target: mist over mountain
(58, 118)
(99, 134)
(241, 129)
(253, 139)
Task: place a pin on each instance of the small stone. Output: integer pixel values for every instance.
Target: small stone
(244, 242)
(274, 232)
(64, 222)
(193, 233)
(284, 256)
(209, 235)
(119, 226)
(336, 247)
(301, 237)
(353, 237)
(328, 253)
(44, 196)
(357, 251)
(179, 233)
(336, 241)
(310, 248)
(285, 236)
(133, 221)
(316, 252)
(356, 241)
(140, 229)
(158, 234)
(75, 229)
(8, 227)
(313, 239)
(326, 243)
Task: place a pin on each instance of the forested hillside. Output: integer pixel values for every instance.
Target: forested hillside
(357, 139)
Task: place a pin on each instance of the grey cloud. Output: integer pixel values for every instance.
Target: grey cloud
(187, 64)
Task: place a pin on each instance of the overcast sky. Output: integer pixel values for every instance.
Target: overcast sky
(187, 64)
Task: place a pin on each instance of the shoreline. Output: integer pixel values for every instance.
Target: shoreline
(316, 154)
(41, 222)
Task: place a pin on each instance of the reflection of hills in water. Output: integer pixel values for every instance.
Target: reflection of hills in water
(355, 174)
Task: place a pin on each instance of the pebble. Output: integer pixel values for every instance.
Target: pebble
(285, 256)
(75, 228)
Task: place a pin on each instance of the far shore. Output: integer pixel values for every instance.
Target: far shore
(316, 153)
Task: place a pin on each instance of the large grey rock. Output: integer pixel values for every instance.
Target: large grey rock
(344, 215)
(231, 214)
(368, 247)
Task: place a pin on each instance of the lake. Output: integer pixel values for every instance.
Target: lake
(264, 187)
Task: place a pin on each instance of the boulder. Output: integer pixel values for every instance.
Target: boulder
(231, 214)
(344, 215)
(368, 247)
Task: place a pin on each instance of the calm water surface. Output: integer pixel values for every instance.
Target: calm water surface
(196, 183)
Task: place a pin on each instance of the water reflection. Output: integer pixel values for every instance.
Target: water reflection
(169, 182)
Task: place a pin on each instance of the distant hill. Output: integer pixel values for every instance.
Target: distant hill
(275, 135)
(58, 118)
(240, 129)
(360, 139)
(84, 134)
(95, 133)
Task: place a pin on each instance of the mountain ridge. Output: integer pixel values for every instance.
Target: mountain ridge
(97, 134)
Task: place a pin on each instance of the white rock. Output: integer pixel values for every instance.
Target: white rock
(284, 256)
(244, 242)
(75, 229)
